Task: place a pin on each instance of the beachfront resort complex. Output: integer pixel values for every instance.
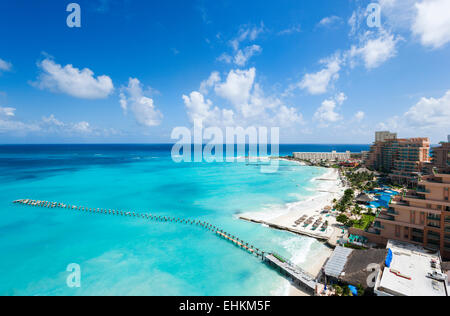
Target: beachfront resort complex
(225, 149)
(395, 216)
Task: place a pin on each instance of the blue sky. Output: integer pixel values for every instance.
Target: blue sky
(137, 69)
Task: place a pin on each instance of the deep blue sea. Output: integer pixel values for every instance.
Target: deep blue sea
(129, 256)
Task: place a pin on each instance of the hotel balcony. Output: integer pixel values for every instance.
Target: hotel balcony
(434, 237)
(433, 225)
(420, 199)
(435, 183)
(433, 246)
(399, 206)
(422, 190)
(390, 221)
(393, 212)
(415, 234)
(377, 226)
(398, 203)
(387, 217)
(443, 173)
(410, 196)
(434, 218)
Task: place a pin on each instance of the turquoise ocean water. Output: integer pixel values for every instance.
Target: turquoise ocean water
(127, 256)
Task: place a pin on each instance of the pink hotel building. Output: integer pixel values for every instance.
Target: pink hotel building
(420, 216)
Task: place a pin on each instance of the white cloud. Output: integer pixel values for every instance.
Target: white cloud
(47, 126)
(242, 56)
(287, 116)
(246, 34)
(398, 14)
(318, 83)
(428, 117)
(8, 112)
(52, 121)
(432, 22)
(198, 108)
(391, 124)
(341, 98)
(210, 82)
(201, 110)
(356, 20)
(251, 106)
(375, 49)
(17, 127)
(5, 66)
(291, 30)
(329, 20)
(82, 127)
(225, 58)
(430, 112)
(428, 20)
(53, 125)
(359, 116)
(132, 99)
(72, 81)
(326, 113)
(237, 86)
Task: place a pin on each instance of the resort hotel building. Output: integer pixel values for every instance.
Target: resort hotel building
(441, 156)
(403, 159)
(420, 216)
(331, 156)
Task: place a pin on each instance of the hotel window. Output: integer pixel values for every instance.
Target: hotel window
(397, 231)
(406, 233)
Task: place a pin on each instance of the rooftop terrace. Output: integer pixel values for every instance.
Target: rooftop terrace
(408, 274)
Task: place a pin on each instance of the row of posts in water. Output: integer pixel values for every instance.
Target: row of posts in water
(212, 228)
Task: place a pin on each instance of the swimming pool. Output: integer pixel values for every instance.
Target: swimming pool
(383, 198)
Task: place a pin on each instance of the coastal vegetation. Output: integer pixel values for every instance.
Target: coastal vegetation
(345, 290)
(346, 201)
(350, 213)
(362, 181)
(364, 222)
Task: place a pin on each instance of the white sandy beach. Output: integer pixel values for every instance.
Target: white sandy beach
(328, 187)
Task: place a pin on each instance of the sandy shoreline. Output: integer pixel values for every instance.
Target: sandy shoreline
(328, 187)
(314, 269)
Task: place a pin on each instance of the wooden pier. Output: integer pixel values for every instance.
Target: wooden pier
(294, 273)
(166, 219)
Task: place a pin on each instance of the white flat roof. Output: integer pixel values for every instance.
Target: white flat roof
(408, 272)
(336, 264)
